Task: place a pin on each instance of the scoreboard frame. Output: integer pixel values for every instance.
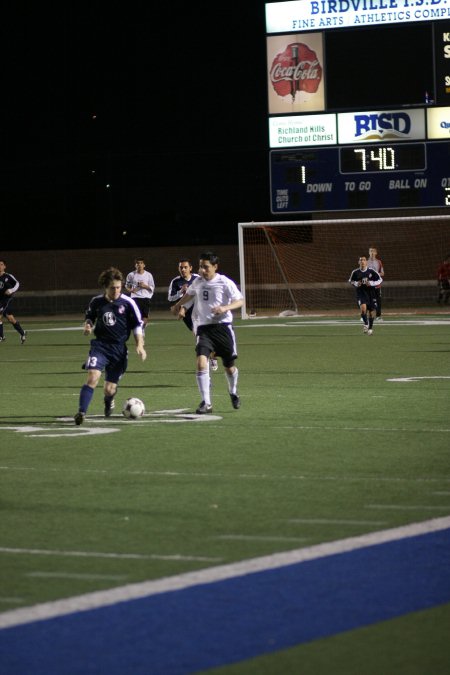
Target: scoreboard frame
(344, 167)
(385, 176)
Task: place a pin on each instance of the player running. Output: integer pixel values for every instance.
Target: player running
(365, 280)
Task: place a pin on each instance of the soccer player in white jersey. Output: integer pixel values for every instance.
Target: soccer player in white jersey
(141, 286)
(177, 288)
(215, 297)
(375, 263)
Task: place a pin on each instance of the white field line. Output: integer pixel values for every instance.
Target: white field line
(331, 521)
(80, 432)
(89, 601)
(372, 429)
(55, 330)
(74, 575)
(415, 378)
(113, 556)
(282, 323)
(348, 322)
(239, 476)
(256, 537)
(408, 507)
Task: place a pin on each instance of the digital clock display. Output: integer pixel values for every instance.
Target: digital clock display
(389, 158)
(363, 177)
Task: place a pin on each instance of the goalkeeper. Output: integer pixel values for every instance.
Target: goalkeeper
(365, 281)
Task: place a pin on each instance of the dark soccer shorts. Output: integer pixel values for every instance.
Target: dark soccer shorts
(187, 319)
(109, 357)
(218, 338)
(367, 298)
(144, 306)
(4, 305)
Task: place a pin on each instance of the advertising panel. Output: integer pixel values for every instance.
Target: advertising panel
(299, 15)
(376, 126)
(295, 73)
(438, 123)
(302, 130)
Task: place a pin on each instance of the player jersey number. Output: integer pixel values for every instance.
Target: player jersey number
(205, 295)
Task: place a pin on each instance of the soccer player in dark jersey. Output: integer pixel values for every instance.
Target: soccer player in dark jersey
(178, 287)
(8, 286)
(365, 280)
(112, 317)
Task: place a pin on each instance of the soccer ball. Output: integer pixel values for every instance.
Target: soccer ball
(133, 408)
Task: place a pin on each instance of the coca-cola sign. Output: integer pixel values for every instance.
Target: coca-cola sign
(295, 73)
(297, 68)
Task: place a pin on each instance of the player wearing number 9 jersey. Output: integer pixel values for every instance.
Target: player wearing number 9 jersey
(215, 297)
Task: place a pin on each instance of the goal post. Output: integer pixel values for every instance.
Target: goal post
(292, 267)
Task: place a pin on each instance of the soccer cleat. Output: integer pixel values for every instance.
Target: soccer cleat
(204, 408)
(2, 339)
(365, 329)
(213, 364)
(109, 407)
(379, 318)
(370, 331)
(235, 401)
(79, 418)
(23, 338)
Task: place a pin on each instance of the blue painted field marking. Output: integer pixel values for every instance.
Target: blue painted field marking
(213, 623)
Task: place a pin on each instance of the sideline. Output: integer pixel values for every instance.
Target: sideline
(211, 575)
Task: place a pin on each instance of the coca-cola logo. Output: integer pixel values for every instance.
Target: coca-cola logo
(297, 68)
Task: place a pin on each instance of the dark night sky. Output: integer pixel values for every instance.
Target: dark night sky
(168, 108)
(179, 134)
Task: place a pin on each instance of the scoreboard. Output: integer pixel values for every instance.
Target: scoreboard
(378, 176)
(357, 119)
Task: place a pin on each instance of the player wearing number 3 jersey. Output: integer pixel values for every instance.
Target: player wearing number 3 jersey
(215, 297)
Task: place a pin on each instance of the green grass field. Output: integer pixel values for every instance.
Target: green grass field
(339, 434)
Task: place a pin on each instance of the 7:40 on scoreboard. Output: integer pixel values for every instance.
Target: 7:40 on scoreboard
(382, 176)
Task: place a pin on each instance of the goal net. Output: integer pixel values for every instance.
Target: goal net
(294, 267)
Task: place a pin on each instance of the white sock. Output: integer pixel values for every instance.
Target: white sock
(232, 381)
(203, 385)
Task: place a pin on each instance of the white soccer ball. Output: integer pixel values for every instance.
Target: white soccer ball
(133, 408)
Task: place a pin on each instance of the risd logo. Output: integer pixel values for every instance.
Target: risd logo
(382, 126)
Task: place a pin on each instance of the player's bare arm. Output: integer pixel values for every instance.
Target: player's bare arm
(140, 349)
(175, 309)
(88, 326)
